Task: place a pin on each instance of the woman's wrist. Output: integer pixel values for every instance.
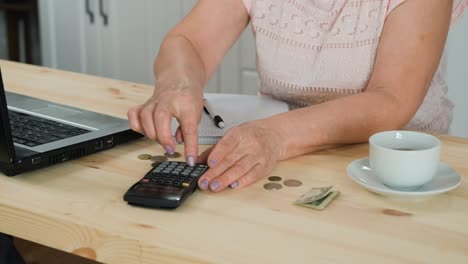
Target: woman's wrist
(294, 136)
(178, 82)
(278, 136)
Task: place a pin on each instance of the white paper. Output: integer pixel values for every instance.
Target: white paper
(235, 109)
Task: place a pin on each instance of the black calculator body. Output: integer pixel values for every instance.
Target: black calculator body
(166, 185)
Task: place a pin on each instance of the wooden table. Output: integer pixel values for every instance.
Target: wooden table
(77, 206)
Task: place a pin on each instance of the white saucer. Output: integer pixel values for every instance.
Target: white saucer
(446, 179)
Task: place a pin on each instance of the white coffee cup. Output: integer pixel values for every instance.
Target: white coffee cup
(404, 160)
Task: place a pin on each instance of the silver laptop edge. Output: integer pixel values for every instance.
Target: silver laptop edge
(100, 125)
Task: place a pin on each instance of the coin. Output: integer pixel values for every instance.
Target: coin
(158, 159)
(144, 156)
(292, 183)
(274, 178)
(272, 186)
(173, 156)
(154, 164)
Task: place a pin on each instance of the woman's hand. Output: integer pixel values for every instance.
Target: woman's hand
(187, 59)
(176, 98)
(243, 156)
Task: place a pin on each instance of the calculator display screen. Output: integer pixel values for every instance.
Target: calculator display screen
(151, 189)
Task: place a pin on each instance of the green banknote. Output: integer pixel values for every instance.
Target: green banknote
(321, 203)
(313, 194)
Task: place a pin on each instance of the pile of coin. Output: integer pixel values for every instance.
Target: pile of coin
(292, 183)
(274, 178)
(175, 155)
(273, 185)
(316, 198)
(158, 159)
(144, 156)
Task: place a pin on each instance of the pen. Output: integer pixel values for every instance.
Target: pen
(219, 122)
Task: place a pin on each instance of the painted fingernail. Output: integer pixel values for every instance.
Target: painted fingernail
(191, 160)
(234, 184)
(212, 162)
(215, 185)
(204, 184)
(169, 150)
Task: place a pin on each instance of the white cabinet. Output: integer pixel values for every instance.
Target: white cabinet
(69, 39)
(114, 39)
(120, 39)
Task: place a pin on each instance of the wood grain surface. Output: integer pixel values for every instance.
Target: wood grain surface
(77, 206)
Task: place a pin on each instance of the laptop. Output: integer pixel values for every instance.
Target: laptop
(36, 133)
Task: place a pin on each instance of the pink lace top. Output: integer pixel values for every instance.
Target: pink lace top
(312, 51)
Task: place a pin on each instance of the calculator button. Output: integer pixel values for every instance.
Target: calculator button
(185, 184)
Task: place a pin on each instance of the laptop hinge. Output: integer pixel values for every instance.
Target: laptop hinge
(7, 149)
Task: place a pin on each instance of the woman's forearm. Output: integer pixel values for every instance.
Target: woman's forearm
(344, 121)
(179, 63)
(406, 60)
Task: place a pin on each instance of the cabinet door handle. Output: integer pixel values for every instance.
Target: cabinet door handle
(105, 17)
(89, 12)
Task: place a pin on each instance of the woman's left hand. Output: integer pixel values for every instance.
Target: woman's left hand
(243, 156)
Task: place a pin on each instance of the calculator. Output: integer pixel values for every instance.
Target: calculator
(166, 185)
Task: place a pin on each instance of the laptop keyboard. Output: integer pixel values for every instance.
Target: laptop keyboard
(33, 131)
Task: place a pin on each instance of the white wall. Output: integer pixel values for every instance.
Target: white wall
(457, 76)
(3, 47)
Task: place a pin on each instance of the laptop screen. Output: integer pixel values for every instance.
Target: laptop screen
(7, 151)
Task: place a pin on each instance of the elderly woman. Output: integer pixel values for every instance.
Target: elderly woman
(348, 69)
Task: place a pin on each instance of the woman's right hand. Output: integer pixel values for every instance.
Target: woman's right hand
(179, 98)
(187, 59)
